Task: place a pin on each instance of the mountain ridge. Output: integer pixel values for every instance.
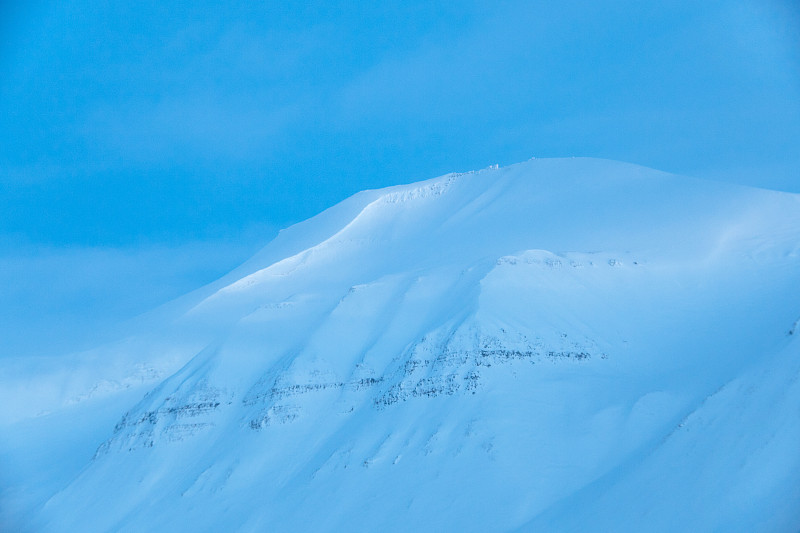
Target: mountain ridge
(487, 344)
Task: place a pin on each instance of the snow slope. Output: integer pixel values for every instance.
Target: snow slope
(559, 345)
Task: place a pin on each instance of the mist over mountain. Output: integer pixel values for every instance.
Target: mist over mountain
(558, 345)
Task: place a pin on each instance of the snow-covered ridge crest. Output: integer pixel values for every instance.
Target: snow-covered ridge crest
(393, 195)
(432, 188)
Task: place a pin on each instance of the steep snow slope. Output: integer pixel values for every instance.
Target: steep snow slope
(526, 347)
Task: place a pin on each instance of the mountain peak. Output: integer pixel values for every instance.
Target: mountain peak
(465, 353)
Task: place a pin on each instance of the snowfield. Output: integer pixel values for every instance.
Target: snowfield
(559, 345)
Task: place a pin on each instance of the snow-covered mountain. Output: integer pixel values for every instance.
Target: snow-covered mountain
(559, 345)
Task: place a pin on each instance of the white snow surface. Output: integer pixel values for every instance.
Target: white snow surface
(558, 345)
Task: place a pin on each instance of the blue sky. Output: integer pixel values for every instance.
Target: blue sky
(170, 141)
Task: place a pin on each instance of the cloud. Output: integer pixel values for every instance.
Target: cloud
(128, 120)
(56, 300)
(188, 129)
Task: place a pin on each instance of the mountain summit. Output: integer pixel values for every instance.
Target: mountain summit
(559, 345)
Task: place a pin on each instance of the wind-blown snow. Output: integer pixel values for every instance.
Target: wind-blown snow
(560, 345)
